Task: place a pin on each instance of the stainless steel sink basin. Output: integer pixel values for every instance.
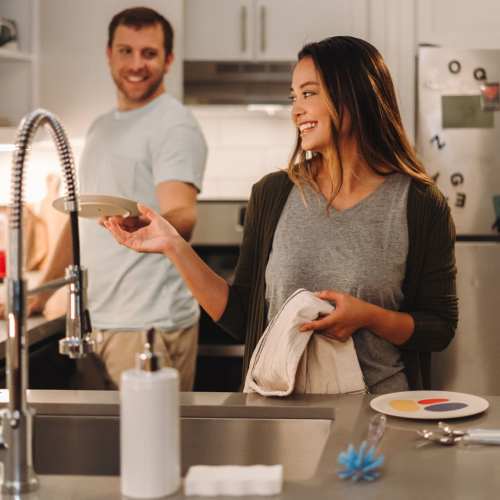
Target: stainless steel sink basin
(89, 445)
(77, 432)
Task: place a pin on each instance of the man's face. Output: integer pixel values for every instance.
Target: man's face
(137, 62)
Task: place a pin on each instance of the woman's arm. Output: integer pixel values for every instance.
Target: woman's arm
(159, 236)
(430, 294)
(352, 314)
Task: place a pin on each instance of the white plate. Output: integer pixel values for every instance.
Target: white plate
(411, 404)
(93, 206)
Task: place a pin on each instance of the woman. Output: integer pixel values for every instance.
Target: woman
(355, 215)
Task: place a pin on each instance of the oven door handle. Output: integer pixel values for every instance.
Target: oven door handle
(242, 212)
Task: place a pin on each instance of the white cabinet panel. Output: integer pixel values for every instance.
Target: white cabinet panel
(392, 31)
(459, 23)
(218, 30)
(283, 28)
(266, 30)
(74, 78)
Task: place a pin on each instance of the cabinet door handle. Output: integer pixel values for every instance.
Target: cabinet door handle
(243, 20)
(263, 28)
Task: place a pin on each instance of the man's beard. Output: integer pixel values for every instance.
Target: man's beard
(150, 90)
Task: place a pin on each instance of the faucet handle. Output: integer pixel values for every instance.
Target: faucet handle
(76, 347)
(78, 342)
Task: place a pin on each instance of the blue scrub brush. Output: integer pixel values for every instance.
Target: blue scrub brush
(364, 463)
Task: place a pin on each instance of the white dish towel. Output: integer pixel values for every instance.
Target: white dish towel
(287, 360)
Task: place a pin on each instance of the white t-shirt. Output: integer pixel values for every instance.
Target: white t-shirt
(127, 154)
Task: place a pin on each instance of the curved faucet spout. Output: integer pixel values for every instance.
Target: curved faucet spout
(18, 417)
(25, 134)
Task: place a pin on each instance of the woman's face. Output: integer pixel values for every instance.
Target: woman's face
(309, 110)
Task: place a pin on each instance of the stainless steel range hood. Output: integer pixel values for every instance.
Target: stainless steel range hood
(237, 82)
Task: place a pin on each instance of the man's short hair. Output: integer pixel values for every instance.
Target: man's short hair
(138, 17)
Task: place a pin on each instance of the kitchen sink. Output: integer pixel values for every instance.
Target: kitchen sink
(89, 445)
(78, 432)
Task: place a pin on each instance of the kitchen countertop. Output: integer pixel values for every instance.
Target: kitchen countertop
(39, 329)
(411, 471)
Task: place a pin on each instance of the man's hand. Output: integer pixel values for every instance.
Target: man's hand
(129, 224)
(34, 306)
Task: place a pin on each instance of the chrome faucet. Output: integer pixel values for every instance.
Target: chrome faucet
(17, 418)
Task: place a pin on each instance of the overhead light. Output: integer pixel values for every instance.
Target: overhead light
(269, 109)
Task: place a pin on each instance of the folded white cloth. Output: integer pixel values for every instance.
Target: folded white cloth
(286, 360)
(236, 480)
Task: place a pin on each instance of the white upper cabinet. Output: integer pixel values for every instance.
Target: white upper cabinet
(459, 23)
(218, 30)
(282, 28)
(266, 30)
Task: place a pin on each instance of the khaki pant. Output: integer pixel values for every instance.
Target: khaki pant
(116, 351)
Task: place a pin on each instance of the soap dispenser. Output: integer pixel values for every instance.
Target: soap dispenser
(149, 427)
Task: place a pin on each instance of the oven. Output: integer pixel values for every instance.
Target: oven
(217, 239)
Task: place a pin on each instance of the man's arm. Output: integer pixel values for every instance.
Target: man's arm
(177, 202)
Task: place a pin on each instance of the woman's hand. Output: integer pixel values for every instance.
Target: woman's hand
(350, 314)
(149, 232)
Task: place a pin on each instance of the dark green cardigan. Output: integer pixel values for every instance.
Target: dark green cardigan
(428, 287)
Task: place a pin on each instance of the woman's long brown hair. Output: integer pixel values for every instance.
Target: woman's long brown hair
(356, 80)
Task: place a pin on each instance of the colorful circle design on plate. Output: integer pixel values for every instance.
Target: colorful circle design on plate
(430, 404)
(404, 405)
(432, 401)
(446, 407)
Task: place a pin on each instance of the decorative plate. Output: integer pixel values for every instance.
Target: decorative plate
(93, 206)
(429, 405)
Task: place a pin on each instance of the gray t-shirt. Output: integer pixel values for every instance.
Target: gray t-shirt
(128, 154)
(361, 251)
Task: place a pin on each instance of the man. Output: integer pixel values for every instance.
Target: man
(148, 149)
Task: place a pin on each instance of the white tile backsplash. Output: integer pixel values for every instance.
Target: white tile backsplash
(234, 162)
(243, 146)
(42, 161)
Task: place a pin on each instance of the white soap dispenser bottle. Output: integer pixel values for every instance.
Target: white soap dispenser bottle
(149, 427)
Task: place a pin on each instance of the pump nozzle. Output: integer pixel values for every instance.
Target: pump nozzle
(148, 360)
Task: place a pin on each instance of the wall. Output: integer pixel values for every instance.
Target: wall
(244, 145)
(43, 160)
(74, 77)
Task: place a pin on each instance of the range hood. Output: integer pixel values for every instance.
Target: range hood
(237, 82)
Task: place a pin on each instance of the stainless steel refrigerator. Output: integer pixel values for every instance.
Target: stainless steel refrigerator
(458, 140)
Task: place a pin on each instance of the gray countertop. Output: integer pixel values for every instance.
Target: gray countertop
(39, 329)
(411, 471)
(193, 404)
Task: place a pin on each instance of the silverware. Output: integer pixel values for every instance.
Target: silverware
(449, 431)
(448, 436)
(446, 440)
